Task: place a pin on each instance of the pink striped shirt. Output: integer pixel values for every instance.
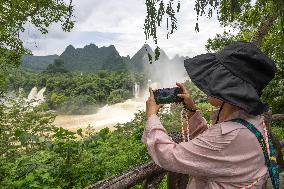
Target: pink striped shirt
(225, 155)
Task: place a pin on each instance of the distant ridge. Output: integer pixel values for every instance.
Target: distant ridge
(92, 58)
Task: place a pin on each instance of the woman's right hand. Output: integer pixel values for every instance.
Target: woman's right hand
(186, 96)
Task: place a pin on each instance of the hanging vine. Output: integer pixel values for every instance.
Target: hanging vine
(227, 11)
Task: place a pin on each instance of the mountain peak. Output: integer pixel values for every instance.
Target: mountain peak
(146, 45)
(92, 58)
(112, 47)
(90, 46)
(147, 48)
(69, 50)
(70, 47)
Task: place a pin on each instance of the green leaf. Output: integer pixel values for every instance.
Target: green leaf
(79, 132)
(18, 132)
(41, 139)
(157, 53)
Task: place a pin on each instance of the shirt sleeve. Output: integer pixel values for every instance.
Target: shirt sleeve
(197, 124)
(201, 156)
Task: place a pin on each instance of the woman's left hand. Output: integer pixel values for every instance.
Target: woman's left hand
(151, 105)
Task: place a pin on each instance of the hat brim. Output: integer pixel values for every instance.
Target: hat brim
(216, 80)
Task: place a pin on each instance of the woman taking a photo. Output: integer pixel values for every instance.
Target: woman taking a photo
(236, 151)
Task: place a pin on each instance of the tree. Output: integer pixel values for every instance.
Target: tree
(262, 15)
(255, 23)
(56, 67)
(14, 16)
(24, 128)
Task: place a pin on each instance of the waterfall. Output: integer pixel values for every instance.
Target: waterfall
(21, 91)
(36, 98)
(136, 90)
(40, 96)
(32, 95)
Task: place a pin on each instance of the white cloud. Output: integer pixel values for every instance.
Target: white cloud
(121, 23)
(115, 16)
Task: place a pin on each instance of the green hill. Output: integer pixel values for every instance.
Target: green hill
(91, 58)
(37, 63)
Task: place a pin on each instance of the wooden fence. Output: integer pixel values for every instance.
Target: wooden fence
(150, 175)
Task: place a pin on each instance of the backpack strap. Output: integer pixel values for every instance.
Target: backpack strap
(270, 161)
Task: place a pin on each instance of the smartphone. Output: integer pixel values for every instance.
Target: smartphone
(167, 95)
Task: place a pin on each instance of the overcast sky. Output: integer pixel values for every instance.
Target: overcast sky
(120, 23)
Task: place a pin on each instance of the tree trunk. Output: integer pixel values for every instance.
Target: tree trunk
(263, 29)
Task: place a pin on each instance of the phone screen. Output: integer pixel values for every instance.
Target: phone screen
(167, 95)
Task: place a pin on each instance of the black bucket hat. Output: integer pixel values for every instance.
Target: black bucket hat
(236, 75)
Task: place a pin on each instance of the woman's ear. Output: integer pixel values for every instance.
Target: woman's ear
(214, 101)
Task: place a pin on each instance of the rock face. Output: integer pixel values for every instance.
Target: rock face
(164, 71)
(92, 58)
(140, 61)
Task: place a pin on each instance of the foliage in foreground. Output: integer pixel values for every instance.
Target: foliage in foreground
(35, 154)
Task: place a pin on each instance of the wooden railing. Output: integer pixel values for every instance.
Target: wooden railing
(150, 175)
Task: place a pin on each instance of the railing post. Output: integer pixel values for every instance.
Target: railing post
(129, 178)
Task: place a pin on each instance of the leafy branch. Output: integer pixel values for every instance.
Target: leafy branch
(229, 12)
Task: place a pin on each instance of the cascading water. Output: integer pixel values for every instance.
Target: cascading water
(40, 96)
(36, 98)
(21, 91)
(32, 94)
(136, 90)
